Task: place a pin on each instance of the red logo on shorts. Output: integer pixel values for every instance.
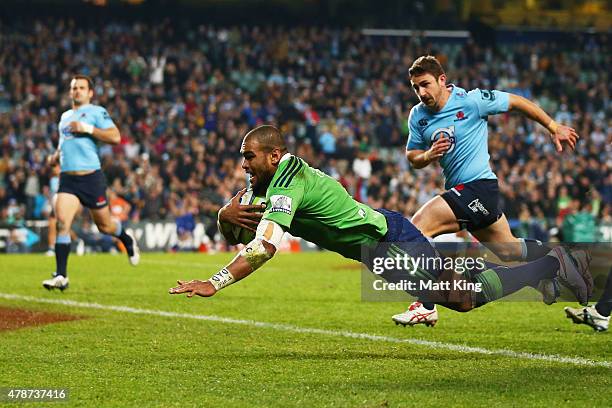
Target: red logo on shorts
(459, 187)
(101, 201)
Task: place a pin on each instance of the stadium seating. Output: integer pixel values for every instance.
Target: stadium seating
(183, 96)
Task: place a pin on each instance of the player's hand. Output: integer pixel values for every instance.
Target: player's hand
(53, 159)
(80, 127)
(193, 287)
(243, 215)
(561, 134)
(437, 149)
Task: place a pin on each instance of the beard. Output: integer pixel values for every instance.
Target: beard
(261, 185)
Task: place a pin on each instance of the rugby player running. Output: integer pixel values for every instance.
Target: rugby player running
(449, 126)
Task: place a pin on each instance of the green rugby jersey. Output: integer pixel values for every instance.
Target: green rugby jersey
(312, 205)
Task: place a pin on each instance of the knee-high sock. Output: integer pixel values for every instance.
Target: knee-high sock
(62, 250)
(501, 281)
(533, 249)
(604, 305)
(124, 238)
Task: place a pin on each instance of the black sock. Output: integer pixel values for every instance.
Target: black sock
(127, 241)
(502, 281)
(428, 305)
(535, 249)
(604, 305)
(61, 258)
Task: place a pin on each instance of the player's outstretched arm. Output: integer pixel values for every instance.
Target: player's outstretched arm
(559, 134)
(250, 258)
(110, 135)
(240, 267)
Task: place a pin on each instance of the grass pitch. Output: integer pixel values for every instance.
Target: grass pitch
(117, 358)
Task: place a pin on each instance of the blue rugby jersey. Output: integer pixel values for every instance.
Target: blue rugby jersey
(463, 120)
(79, 151)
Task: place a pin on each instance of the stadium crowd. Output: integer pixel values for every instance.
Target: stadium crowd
(183, 96)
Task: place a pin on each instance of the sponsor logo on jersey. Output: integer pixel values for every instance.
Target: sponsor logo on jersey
(280, 203)
(423, 122)
(66, 131)
(460, 116)
(362, 213)
(476, 206)
(460, 94)
(448, 132)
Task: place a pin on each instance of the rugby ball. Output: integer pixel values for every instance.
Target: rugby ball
(243, 235)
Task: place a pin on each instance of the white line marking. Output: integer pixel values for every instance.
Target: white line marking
(194, 264)
(306, 330)
(181, 263)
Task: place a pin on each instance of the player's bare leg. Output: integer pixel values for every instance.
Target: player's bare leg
(102, 219)
(436, 217)
(106, 225)
(499, 239)
(52, 235)
(66, 207)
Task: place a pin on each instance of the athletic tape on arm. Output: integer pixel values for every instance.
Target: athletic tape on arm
(222, 279)
(255, 252)
(270, 232)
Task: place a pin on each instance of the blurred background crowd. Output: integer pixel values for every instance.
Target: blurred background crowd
(184, 95)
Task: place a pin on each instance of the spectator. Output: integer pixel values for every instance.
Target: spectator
(186, 99)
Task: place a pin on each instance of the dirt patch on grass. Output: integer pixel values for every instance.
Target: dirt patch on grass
(11, 318)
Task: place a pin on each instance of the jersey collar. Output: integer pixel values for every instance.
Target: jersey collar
(452, 93)
(286, 156)
(80, 107)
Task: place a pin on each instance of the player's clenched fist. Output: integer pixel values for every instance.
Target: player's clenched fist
(194, 287)
(81, 127)
(437, 150)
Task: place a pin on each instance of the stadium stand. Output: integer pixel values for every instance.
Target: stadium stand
(185, 95)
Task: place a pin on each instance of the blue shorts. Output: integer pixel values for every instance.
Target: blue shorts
(405, 236)
(476, 204)
(404, 239)
(90, 188)
(400, 229)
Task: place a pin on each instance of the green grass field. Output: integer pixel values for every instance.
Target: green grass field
(120, 358)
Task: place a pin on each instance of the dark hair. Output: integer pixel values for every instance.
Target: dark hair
(85, 77)
(427, 64)
(268, 137)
